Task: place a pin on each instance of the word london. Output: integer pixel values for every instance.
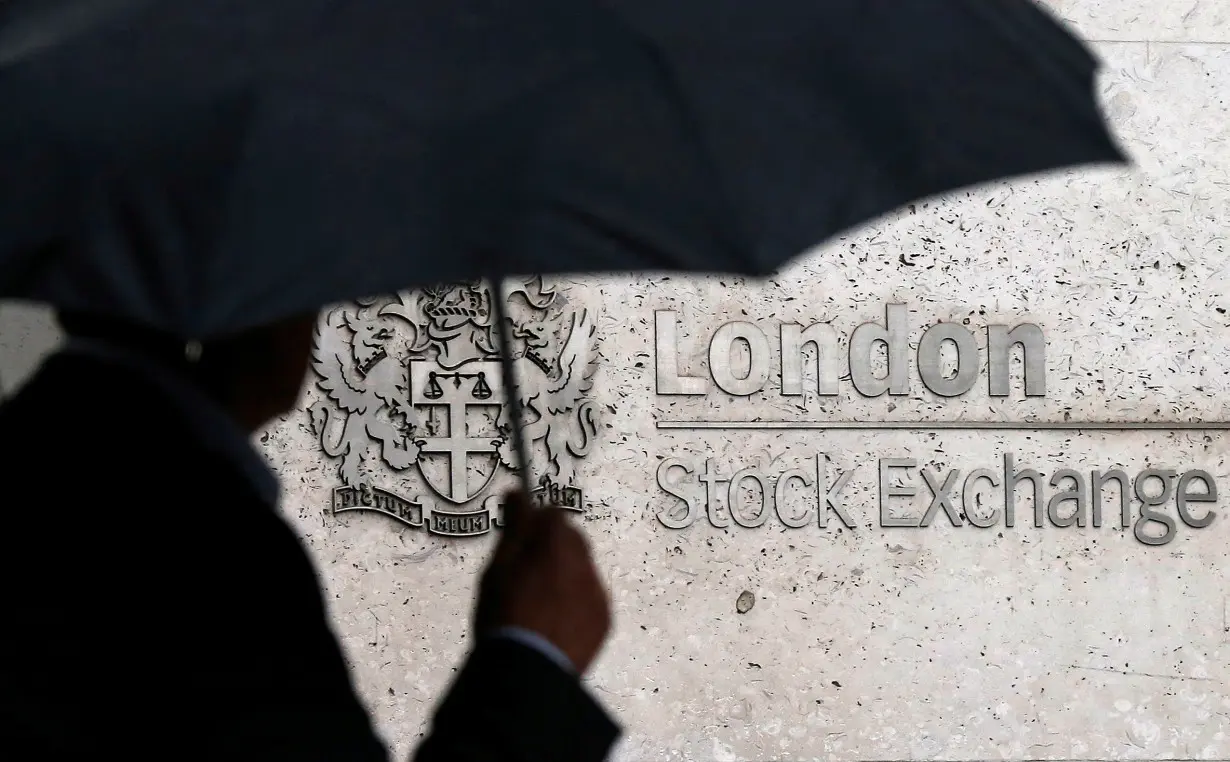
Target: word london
(863, 345)
(983, 497)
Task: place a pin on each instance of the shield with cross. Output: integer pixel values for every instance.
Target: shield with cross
(458, 436)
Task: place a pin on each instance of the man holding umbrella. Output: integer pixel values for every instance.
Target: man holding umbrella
(202, 168)
(137, 622)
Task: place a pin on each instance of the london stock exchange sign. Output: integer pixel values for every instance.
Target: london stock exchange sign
(1153, 502)
(413, 407)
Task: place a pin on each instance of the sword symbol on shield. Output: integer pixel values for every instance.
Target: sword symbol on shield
(475, 384)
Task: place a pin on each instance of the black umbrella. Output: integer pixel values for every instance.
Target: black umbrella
(206, 166)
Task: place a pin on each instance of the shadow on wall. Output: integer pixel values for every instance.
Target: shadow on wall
(27, 335)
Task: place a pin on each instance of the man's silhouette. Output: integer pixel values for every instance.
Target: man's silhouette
(157, 607)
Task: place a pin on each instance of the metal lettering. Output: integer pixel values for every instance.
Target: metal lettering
(460, 524)
(551, 493)
(690, 508)
(734, 504)
(1000, 341)
(1125, 496)
(368, 498)
(345, 498)
(1149, 502)
(970, 499)
(941, 497)
(832, 501)
(779, 499)
(1012, 478)
(711, 482)
(1183, 496)
(758, 359)
(794, 340)
(896, 340)
(689, 486)
(930, 352)
(1077, 495)
(1052, 493)
(888, 489)
(666, 348)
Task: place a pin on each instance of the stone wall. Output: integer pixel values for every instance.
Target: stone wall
(803, 637)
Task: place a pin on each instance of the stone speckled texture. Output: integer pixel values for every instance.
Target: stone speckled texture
(880, 643)
(1152, 20)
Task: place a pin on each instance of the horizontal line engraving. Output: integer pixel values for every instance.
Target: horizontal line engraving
(752, 425)
(1209, 43)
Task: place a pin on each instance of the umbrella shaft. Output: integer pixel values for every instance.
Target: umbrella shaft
(511, 398)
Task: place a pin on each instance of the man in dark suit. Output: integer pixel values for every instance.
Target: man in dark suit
(156, 605)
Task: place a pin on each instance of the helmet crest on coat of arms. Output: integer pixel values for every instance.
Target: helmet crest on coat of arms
(413, 404)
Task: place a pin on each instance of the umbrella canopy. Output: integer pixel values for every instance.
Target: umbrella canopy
(208, 166)
(205, 167)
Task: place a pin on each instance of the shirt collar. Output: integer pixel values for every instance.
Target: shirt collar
(216, 429)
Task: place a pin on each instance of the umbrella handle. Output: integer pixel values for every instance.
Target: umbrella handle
(512, 399)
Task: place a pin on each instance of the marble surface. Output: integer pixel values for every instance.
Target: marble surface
(872, 642)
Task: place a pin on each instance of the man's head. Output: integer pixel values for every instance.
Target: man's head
(256, 375)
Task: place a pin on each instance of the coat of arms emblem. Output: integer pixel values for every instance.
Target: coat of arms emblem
(413, 410)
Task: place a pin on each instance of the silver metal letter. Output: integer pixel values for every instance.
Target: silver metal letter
(1183, 497)
(1012, 478)
(1000, 341)
(666, 346)
(732, 497)
(888, 489)
(1125, 496)
(669, 519)
(830, 500)
(758, 365)
(941, 497)
(711, 480)
(1149, 502)
(970, 501)
(930, 349)
(779, 496)
(1077, 493)
(794, 339)
(896, 338)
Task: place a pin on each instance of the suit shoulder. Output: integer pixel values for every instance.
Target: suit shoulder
(83, 425)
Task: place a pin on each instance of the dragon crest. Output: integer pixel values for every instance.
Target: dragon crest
(406, 379)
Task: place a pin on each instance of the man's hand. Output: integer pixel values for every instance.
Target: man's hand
(542, 579)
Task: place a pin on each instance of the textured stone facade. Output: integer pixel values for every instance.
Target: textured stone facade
(792, 640)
